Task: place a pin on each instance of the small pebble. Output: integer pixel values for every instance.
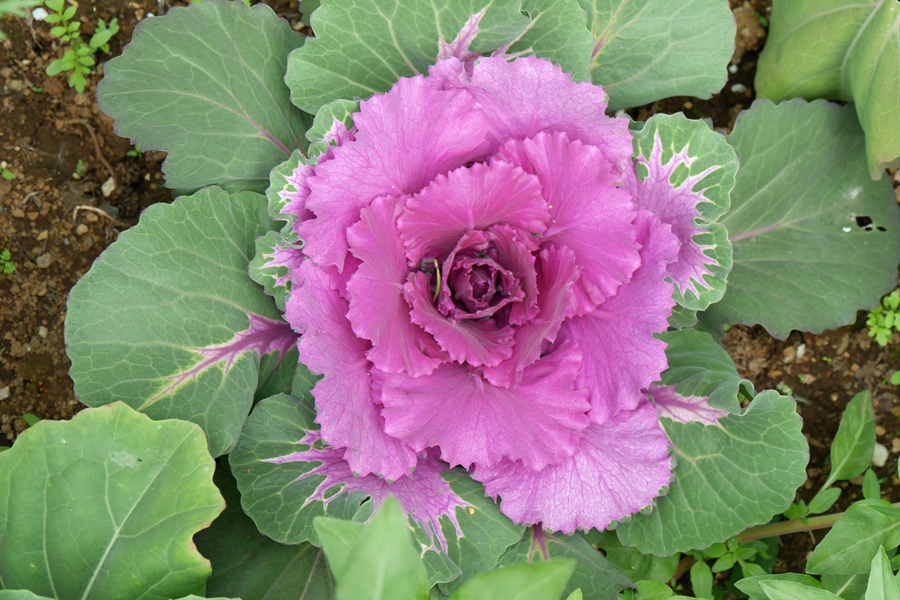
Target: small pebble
(108, 187)
(43, 235)
(33, 215)
(4, 392)
(801, 351)
(732, 69)
(43, 261)
(91, 217)
(81, 229)
(42, 331)
(880, 431)
(880, 455)
(739, 88)
(895, 445)
(39, 14)
(688, 105)
(18, 213)
(110, 210)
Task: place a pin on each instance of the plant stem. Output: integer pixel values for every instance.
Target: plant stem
(791, 526)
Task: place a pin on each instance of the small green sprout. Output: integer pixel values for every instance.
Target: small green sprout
(80, 168)
(785, 389)
(37, 90)
(883, 319)
(31, 419)
(762, 20)
(79, 58)
(134, 152)
(6, 265)
(7, 174)
(895, 378)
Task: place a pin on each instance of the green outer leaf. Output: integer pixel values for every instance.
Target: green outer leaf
(854, 443)
(205, 84)
(698, 366)
(750, 585)
(701, 579)
(362, 47)
(855, 539)
(535, 581)
(381, 563)
(105, 505)
(848, 587)
(558, 31)
(248, 565)
(21, 595)
(652, 49)
(596, 576)
(841, 50)
(335, 111)
(706, 152)
(728, 478)
(636, 565)
(175, 282)
(790, 590)
(487, 532)
(278, 183)
(270, 493)
(882, 585)
(276, 374)
(800, 259)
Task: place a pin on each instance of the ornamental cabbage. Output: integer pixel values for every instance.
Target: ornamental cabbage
(480, 282)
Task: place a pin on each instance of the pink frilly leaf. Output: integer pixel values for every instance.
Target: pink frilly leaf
(459, 47)
(669, 403)
(589, 215)
(404, 139)
(466, 199)
(538, 421)
(345, 406)
(621, 356)
(618, 468)
(378, 311)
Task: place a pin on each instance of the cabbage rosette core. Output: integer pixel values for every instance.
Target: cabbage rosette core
(481, 279)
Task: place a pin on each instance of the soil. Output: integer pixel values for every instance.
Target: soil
(61, 211)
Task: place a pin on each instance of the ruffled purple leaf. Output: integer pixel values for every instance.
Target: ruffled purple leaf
(618, 468)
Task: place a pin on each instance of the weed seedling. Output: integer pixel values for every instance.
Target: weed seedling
(6, 265)
(883, 318)
(7, 174)
(134, 152)
(79, 57)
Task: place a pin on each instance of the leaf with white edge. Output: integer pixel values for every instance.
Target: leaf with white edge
(167, 320)
(728, 478)
(272, 265)
(558, 31)
(205, 84)
(248, 565)
(646, 50)
(854, 442)
(535, 581)
(791, 590)
(381, 562)
(815, 239)
(287, 193)
(685, 173)
(855, 539)
(596, 576)
(105, 506)
(698, 366)
(333, 124)
(882, 585)
(845, 50)
(362, 47)
(682, 318)
(750, 585)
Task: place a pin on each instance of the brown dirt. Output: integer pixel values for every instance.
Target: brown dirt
(42, 141)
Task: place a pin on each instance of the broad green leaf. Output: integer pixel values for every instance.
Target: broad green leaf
(535, 581)
(854, 443)
(848, 587)
(205, 84)
(558, 31)
(362, 47)
(646, 50)
(486, 532)
(728, 478)
(637, 565)
(576, 595)
(855, 539)
(248, 565)
(21, 595)
(698, 366)
(750, 585)
(701, 580)
(688, 172)
(167, 320)
(105, 505)
(845, 50)
(272, 494)
(382, 562)
(275, 374)
(815, 239)
(871, 487)
(791, 590)
(596, 576)
(882, 585)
